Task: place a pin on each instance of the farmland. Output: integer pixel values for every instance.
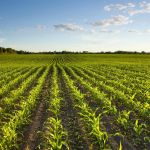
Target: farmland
(75, 101)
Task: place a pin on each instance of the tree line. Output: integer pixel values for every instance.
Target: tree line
(13, 51)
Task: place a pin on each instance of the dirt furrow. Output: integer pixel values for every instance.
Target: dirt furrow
(31, 137)
(70, 120)
(107, 124)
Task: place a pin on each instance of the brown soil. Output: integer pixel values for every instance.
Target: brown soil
(107, 121)
(32, 135)
(70, 120)
(11, 108)
(32, 132)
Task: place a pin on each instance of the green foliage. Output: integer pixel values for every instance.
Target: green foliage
(109, 92)
(139, 128)
(123, 118)
(120, 146)
(21, 117)
(54, 135)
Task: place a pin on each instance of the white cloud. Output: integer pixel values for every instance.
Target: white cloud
(139, 32)
(133, 31)
(41, 27)
(147, 31)
(106, 31)
(92, 31)
(144, 7)
(143, 3)
(96, 31)
(116, 20)
(109, 31)
(132, 9)
(118, 6)
(68, 27)
(134, 12)
(139, 11)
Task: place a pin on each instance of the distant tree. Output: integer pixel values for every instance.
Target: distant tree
(7, 50)
(85, 52)
(13, 51)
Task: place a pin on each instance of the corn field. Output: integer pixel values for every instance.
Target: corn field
(75, 102)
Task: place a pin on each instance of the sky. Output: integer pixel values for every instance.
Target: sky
(75, 25)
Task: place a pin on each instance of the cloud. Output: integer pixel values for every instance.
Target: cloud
(143, 4)
(133, 31)
(135, 12)
(116, 20)
(68, 27)
(140, 32)
(41, 27)
(144, 8)
(147, 31)
(26, 29)
(92, 31)
(106, 31)
(109, 31)
(118, 6)
(132, 9)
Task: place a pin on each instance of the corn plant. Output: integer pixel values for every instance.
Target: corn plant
(10, 129)
(120, 146)
(123, 118)
(12, 83)
(139, 128)
(16, 94)
(54, 135)
(87, 115)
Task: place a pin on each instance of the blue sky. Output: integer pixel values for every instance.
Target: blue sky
(75, 25)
